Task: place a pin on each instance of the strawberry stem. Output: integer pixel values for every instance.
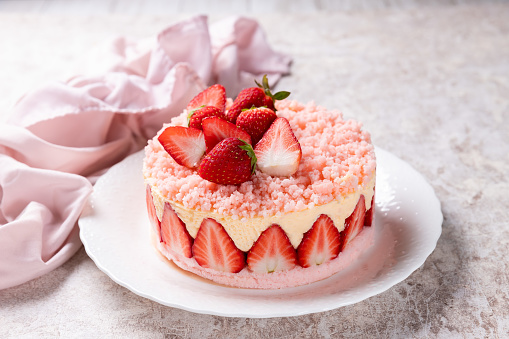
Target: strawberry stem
(250, 152)
(266, 88)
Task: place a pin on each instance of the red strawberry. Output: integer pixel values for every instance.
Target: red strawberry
(368, 219)
(278, 152)
(213, 96)
(354, 223)
(247, 98)
(269, 97)
(320, 244)
(232, 161)
(256, 122)
(272, 252)
(151, 209)
(216, 129)
(213, 248)
(269, 103)
(185, 145)
(174, 232)
(196, 116)
(255, 96)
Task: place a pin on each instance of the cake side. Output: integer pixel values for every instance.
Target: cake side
(260, 192)
(337, 166)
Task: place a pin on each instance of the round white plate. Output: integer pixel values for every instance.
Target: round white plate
(115, 231)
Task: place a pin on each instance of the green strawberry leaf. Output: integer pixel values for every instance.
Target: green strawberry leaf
(265, 82)
(191, 112)
(247, 109)
(281, 95)
(252, 107)
(265, 86)
(247, 147)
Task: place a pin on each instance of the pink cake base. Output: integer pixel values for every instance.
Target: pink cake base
(295, 277)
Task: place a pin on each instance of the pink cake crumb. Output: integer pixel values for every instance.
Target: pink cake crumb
(337, 159)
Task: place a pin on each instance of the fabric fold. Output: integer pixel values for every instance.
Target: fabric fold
(61, 137)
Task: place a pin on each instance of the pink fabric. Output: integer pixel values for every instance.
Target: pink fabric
(63, 136)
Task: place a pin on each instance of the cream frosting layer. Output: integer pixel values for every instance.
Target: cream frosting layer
(245, 231)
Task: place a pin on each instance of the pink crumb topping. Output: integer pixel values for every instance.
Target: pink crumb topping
(337, 159)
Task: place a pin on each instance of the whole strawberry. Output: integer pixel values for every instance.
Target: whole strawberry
(230, 162)
(260, 96)
(270, 98)
(256, 122)
(196, 116)
(247, 98)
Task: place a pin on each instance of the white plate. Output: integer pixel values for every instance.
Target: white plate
(115, 232)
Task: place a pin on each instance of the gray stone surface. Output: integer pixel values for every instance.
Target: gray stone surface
(431, 84)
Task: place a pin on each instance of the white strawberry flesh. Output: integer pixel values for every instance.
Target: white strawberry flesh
(278, 153)
(184, 144)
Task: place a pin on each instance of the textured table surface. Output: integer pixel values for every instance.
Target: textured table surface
(430, 83)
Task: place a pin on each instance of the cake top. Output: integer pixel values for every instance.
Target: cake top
(337, 159)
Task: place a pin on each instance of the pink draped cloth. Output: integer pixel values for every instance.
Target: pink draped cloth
(62, 137)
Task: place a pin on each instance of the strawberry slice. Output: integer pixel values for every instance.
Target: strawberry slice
(213, 248)
(320, 244)
(232, 161)
(272, 252)
(151, 209)
(247, 98)
(354, 223)
(184, 144)
(196, 116)
(174, 232)
(216, 129)
(278, 152)
(368, 219)
(256, 121)
(213, 96)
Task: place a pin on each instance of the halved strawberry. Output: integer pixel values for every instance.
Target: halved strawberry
(174, 232)
(368, 219)
(272, 252)
(354, 223)
(213, 96)
(247, 98)
(278, 152)
(196, 116)
(320, 244)
(151, 209)
(256, 121)
(186, 145)
(231, 161)
(216, 129)
(213, 248)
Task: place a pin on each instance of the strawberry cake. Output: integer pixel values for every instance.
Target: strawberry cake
(261, 191)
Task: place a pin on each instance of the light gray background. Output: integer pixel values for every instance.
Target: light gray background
(429, 80)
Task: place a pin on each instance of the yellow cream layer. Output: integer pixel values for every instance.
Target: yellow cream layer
(244, 232)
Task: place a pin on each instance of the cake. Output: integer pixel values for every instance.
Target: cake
(261, 191)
